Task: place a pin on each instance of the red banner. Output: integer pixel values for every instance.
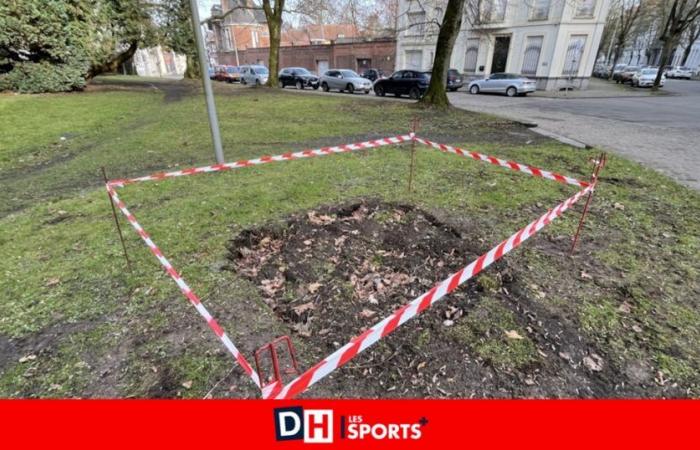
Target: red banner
(349, 424)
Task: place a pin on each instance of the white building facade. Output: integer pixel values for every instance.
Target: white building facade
(552, 41)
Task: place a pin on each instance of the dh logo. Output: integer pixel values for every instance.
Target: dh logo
(314, 426)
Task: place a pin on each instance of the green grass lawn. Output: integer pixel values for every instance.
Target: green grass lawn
(75, 322)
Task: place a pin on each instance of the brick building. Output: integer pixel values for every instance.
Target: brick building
(356, 54)
(240, 36)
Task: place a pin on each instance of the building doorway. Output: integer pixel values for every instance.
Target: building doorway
(363, 64)
(500, 54)
(322, 66)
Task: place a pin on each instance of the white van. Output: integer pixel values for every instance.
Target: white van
(255, 75)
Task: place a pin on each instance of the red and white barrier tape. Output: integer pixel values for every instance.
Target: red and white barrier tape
(415, 307)
(534, 171)
(268, 159)
(186, 290)
(400, 316)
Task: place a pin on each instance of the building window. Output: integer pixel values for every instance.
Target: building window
(414, 59)
(493, 11)
(574, 53)
(471, 56)
(539, 10)
(416, 23)
(585, 8)
(228, 45)
(531, 58)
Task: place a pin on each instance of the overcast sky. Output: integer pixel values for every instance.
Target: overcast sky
(205, 7)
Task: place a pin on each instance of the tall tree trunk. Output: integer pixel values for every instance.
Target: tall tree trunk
(616, 58)
(666, 54)
(274, 27)
(113, 64)
(274, 58)
(693, 35)
(192, 69)
(436, 94)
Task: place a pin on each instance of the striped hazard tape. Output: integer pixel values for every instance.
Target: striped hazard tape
(415, 307)
(534, 171)
(400, 316)
(186, 290)
(268, 159)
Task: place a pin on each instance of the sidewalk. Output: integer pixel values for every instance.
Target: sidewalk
(598, 88)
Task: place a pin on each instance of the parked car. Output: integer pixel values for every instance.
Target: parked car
(211, 71)
(345, 80)
(646, 78)
(373, 74)
(511, 84)
(403, 82)
(617, 71)
(627, 74)
(233, 74)
(454, 80)
(254, 74)
(219, 73)
(680, 72)
(299, 77)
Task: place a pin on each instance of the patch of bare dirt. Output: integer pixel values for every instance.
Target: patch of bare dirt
(331, 273)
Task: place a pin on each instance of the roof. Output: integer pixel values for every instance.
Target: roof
(313, 34)
(243, 12)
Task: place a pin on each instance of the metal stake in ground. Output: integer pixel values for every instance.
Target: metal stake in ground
(116, 221)
(594, 178)
(414, 129)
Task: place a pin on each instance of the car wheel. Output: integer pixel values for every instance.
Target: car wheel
(474, 89)
(257, 82)
(350, 88)
(244, 82)
(316, 87)
(414, 93)
(280, 85)
(324, 86)
(511, 91)
(300, 85)
(379, 91)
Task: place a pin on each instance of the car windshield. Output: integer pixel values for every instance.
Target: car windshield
(301, 71)
(261, 70)
(684, 68)
(349, 74)
(649, 72)
(632, 69)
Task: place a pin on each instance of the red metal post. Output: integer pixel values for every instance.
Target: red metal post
(594, 179)
(414, 129)
(277, 374)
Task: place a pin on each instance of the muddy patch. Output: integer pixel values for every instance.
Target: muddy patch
(331, 273)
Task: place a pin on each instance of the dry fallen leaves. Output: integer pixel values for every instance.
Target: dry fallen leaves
(52, 282)
(24, 359)
(321, 219)
(512, 334)
(367, 313)
(300, 309)
(314, 287)
(187, 384)
(593, 362)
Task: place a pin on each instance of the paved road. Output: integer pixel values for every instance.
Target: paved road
(662, 132)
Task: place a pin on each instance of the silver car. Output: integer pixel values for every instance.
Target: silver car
(510, 84)
(646, 77)
(345, 80)
(254, 74)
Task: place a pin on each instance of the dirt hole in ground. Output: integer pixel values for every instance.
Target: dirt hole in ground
(332, 272)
